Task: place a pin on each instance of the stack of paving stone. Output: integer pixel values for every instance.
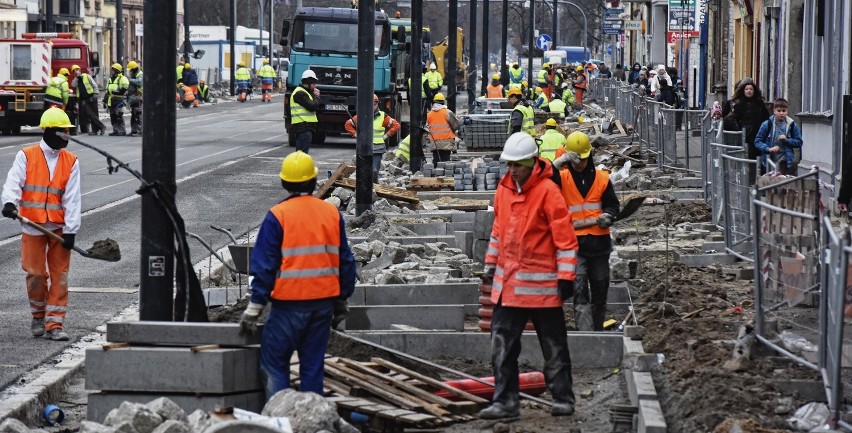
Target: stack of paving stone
(484, 177)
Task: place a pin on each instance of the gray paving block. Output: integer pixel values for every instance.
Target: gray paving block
(706, 259)
(174, 369)
(480, 246)
(428, 229)
(588, 349)
(632, 346)
(381, 317)
(651, 418)
(644, 386)
(100, 404)
(739, 273)
(179, 333)
(408, 240)
(217, 296)
(415, 294)
(453, 227)
(482, 224)
(464, 195)
(464, 242)
(690, 182)
(713, 245)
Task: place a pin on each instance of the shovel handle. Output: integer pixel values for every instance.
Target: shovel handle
(49, 233)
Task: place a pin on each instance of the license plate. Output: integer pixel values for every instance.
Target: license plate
(335, 107)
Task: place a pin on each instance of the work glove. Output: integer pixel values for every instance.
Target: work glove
(573, 157)
(341, 310)
(605, 220)
(384, 137)
(68, 241)
(10, 210)
(248, 320)
(566, 289)
(488, 275)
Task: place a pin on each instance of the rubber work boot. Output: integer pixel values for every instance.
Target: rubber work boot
(37, 327)
(498, 410)
(562, 409)
(57, 334)
(583, 317)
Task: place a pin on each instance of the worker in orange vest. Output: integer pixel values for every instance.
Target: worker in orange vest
(580, 84)
(443, 126)
(303, 266)
(530, 262)
(594, 206)
(44, 181)
(495, 89)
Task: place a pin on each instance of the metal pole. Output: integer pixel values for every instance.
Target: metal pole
(233, 64)
(531, 39)
(260, 29)
(49, 25)
(485, 31)
(271, 29)
(119, 32)
(471, 48)
(504, 41)
(158, 162)
(555, 22)
(187, 46)
(451, 68)
(416, 97)
(364, 107)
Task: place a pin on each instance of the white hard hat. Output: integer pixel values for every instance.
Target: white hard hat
(433, 66)
(309, 74)
(559, 71)
(519, 146)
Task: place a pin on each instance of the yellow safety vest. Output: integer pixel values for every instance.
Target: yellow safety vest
(516, 75)
(542, 77)
(435, 80)
(378, 133)
(58, 88)
(551, 140)
(528, 125)
(404, 149)
(115, 85)
(242, 74)
(557, 106)
(266, 71)
(299, 114)
(86, 79)
(422, 92)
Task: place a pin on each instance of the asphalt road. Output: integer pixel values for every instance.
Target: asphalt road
(228, 157)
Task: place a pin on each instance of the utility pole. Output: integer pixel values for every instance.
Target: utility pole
(158, 162)
(416, 97)
(233, 64)
(48, 16)
(485, 30)
(260, 28)
(555, 22)
(187, 46)
(471, 49)
(364, 107)
(531, 37)
(451, 68)
(119, 32)
(271, 28)
(504, 41)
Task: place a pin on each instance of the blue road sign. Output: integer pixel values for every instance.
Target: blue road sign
(543, 42)
(609, 50)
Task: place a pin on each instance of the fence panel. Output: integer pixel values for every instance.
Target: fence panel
(695, 133)
(737, 205)
(834, 288)
(716, 187)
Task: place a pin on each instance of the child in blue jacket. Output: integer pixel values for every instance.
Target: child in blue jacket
(778, 137)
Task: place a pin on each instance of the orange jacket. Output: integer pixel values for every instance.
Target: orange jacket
(391, 126)
(492, 91)
(310, 259)
(532, 241)
(41, 198)
(585, 209)
(439, 127)
(580, 82)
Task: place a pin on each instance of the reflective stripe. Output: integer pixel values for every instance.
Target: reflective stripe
(492, 251)
(55, 309)
(497, 285)
(37, 205)
(54, 319)
(36, 310)
(566, 254)
(315, 249)
(37, 303)
(535, 276)
(536, 291)
(585, 206)
(47, 189)
(306, 273)
(498, 271)
(565, 267)
(587, 221)
(494, 239)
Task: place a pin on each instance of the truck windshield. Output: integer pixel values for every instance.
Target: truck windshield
(66, 53)
(335, 37)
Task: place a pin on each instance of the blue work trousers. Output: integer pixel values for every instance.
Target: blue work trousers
(287, 331)
(303, 140)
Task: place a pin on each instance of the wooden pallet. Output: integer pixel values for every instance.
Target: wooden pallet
(341, 172)
(430, 183)
(385, 191)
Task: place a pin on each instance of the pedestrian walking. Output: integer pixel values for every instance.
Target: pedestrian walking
(266, 73)
(87, 90)
(780, 138)
(443, 127)
(304, 103)
(44, 181)
(384, 127)
(134, 96)
(590, 196)
(530, 262)
(114, 99)
(303, 267)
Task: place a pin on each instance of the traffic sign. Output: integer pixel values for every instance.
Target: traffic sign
(612, 14)
(544, 42)
(611, 27)
(609, 50)
(633, 25)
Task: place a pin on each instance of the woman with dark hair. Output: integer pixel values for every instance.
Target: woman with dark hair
(633, 77)
(749, 109)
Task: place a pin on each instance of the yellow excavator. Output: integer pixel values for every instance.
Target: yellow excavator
(439, 54)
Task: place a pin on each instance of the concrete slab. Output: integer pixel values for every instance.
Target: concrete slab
(179, 333)
(632, 346)
(428, 229)
(408, 240)
(690, 182)
(100, 404)
(480, 247)
(141, 369)
(588, 349)
(464, 241)
(651, 418)
(644, 385)
(415, 294)
(482, 224)
(217, 296)
(739, 273)
(464, 195)
(381, 317)
(706, 259)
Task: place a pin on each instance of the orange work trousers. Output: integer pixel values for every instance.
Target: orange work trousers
(266, 92)
(578, 96)
(46, 264)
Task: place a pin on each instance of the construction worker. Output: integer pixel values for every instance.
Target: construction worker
(304, 103)
(134, 97)
(594, 206)
(516, 74)
(426, 98)
(558, 79)
(558, 106)
(242, 77)
(203, 91)
(179, 71)
(266, 73)
(443, 126)
(44, 181)
(551, 140)
(56, 94)
(543, 79)
(114, 99)
(530, 264)
(434, 81)
(303, 266)
(185, 96)
(86, 89)
(190, 83)
(495, 89)
(567, 96)
(540, 99)
(523, 117)
(580, 84)
(384, 127)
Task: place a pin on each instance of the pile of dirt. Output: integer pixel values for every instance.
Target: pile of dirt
(672, 213)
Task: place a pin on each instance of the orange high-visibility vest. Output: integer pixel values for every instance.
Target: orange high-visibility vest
(438, 125)
(41, 199)
(310, 250)
(585, 209)
(492, 91)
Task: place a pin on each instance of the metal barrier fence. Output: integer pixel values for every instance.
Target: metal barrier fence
(735, 178)
(834, 277)
(714, 190)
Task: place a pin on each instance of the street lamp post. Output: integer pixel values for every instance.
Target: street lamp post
(585, 20)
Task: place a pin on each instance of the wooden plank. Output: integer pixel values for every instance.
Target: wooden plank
(620, 128)
(469, 206)
(383, 191)
(342, 171)
(428, 380)
(418, 392)
(416, 418)
(355, 379)
(430, 183)
(395, 413)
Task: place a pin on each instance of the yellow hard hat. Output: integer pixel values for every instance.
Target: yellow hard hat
(64, 71)
(75, 67)
(550, 122)
(187, 66)
(297, 167)
(495, 77)
(525, 84)
(117, 67)
(265, 61)
(545, 66)
(538, 90)
(578, 142)
(514, 91)
(579, 69)
(132, 64)
(439, 97)
(55, 118)
(241, 64)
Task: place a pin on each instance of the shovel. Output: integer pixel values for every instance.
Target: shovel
(634, 201)
(106, 250)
